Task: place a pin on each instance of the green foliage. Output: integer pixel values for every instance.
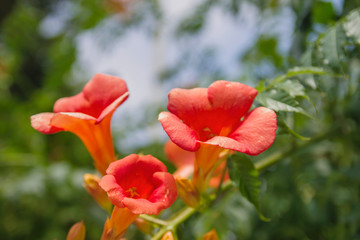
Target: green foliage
(323, 12)
(311, 193)
(246, 178)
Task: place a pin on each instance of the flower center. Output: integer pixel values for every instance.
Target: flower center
(132, 192)
(206, 134)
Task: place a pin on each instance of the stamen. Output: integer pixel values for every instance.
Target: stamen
(132, 192)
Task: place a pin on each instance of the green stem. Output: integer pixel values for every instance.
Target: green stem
(172, 224)
(153, 220)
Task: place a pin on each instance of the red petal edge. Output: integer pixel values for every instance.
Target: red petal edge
(42, 123)
(181, 134)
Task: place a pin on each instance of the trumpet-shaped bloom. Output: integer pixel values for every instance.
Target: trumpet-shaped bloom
(88, 115)
(219, 116)
(139, 183)
(184, 162)
(207, 121)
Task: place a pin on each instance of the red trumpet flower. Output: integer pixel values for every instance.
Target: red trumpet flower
(88, 115)
(207, 121)
(219, 116)
(139, 183)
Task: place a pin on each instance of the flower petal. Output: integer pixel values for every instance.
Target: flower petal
(41, 123)
(166, 190)
(96, 137)
(162, 197)
(181, 134)
(99, 97)
(233, 97)
(143, 206)
(186, 103)
(257, 131)
(146, 164)
(115, 192)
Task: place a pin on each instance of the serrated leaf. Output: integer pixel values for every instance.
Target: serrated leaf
(293, 87)
(296, 71)
(246, 178)
(280, 101)
(351, 26)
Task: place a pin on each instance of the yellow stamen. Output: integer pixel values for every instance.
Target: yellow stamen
(132, 192)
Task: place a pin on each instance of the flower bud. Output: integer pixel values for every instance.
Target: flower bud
(92, 187)
(187, 192)
(168, 236)
(77, 232)
(212, 235)
(143, 225)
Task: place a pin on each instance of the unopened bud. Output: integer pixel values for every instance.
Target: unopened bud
(92, 187)
(212, 235)
(143, 225)
(77, 232)
(167, 236)
(187, 192)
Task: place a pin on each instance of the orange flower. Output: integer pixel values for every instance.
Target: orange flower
(136, 185)
(207, 121)
(139, 183)
(115, 227)
(88, 115)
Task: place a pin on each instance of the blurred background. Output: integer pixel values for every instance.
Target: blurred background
(50, 49)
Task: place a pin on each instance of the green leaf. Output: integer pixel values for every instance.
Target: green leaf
(323, 12)
(305, 70)
(280, 101)
(246, 178)
(351, 26)
(282, 123)
(296, 71)
(293, 87)
(331, 47)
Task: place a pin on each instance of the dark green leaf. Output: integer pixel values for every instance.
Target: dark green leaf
(246, 178)
(280, 101)
(323, 12)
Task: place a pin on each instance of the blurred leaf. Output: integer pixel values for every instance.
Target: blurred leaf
(296, 71)
(246, 178)
(331, 47)
(323, 12)
(293, 87)
(351, 25)
(305, 70)
(194, 23)
(266, 48)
